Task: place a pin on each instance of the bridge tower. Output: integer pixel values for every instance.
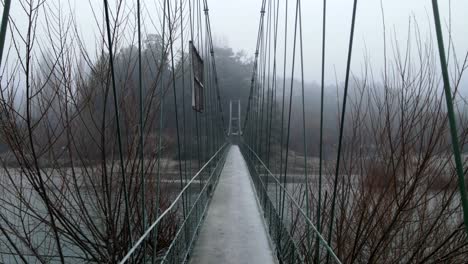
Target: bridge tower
(235, 130)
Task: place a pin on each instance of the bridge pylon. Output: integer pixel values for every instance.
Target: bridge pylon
(234, 130)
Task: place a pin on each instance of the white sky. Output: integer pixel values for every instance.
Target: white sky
(235, 23)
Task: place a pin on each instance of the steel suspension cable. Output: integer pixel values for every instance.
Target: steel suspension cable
(322, 91)
(274, 98)
(212, 66)
(3, 30)
(175, 104)
(203, 118)
(306, 175)
(213, 63)
(282, 107)
(285, 169)
(253, 84)
(288, 130)
(257, 92)
(257, 88)
(3, 27)
(161, 122)
(141, 128)
(183, 95)
(265, 42)
(192, 23)
(269, 102)
(273, 89)
(198, 120)
(117, 120)
(207, 95)
(191, 113)
(255, 66)
(451, 114)
(266, 89)
(343, 112)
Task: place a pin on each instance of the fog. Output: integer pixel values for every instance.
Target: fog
(235, 24)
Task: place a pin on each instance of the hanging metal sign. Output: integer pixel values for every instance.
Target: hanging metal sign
(197, 79)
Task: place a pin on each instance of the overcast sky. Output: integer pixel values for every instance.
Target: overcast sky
(235, 23)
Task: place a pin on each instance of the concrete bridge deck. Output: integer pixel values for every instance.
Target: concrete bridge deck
(233, 231)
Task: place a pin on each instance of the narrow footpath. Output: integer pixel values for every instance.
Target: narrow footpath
(233, 231)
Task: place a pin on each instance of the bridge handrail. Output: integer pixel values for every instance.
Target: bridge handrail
(187, 218)
(300, 210)
(170, 208)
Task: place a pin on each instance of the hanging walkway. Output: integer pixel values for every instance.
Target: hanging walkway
(233, 231)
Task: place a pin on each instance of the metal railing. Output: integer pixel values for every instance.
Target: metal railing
(202, 184)
(286, 232)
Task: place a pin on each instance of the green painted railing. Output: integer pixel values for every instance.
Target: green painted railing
(200, 186)
(287, 232)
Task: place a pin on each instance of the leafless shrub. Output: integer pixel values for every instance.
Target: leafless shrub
(397, 199)
(62, 197)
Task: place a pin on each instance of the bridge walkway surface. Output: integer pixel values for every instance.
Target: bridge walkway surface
(233, 231)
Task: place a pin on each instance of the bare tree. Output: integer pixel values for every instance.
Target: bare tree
(62, 197)
(397, 199)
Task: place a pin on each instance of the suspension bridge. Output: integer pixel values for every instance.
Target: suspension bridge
(243, 196)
